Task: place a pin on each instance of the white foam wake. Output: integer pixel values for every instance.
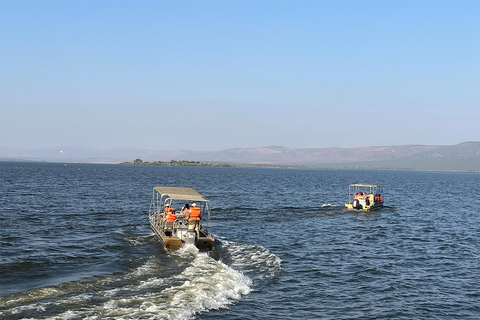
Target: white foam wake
(144, 293)
(257, 262)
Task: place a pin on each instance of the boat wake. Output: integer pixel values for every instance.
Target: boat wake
(195, 284)
(139, 240)
(394, 208)
(256, 262)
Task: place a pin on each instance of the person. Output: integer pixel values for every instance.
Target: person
(194, 217)
(169, 213)
(168, 208)
(186, 210)
(171, 216)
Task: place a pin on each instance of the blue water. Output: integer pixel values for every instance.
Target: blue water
(75, 244)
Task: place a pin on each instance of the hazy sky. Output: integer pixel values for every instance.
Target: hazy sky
(211, 75)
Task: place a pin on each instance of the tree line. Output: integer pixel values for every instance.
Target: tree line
(177, 163)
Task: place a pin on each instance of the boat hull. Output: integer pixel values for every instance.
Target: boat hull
(367, 208)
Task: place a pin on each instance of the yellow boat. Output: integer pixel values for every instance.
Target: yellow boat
(174, 231)
(364, 196)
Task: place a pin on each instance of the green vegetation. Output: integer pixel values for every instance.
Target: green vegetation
(177, 163)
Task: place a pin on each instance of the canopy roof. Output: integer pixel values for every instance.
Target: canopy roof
(177, 193)
(364, 185)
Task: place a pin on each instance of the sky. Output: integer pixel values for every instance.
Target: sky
(213, 75)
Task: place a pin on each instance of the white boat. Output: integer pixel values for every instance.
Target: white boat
(364, 196)
(174, 229)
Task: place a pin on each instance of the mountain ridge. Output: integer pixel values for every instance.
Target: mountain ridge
(464, 156)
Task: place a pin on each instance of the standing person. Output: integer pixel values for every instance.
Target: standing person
(194, 217)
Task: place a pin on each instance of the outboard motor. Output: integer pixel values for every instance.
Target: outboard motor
(356, 204)
(191, 237)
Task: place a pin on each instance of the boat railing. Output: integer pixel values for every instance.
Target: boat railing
(163, 224)
(156, 218)
(156, 212)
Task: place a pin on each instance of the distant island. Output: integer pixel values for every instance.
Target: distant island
(177, 163)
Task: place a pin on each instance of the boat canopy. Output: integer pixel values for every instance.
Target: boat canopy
(364, 185)
(178, 193)
(354, 187)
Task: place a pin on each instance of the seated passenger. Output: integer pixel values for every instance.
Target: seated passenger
(167, 208)
(171, 216)
(185, 210)
(169, 213)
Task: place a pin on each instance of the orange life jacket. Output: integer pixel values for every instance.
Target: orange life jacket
(194, 214)
(168, 209)
(171, 216)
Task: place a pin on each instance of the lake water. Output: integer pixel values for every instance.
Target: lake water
(76, 244)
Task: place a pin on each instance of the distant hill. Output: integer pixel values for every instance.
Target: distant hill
(461, 157)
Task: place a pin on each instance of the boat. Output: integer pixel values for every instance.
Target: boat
(364, 196)
(172, 228)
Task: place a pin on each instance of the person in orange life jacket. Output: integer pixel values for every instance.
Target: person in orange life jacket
(186, 210)
(169, 214)
(167, 208)
(194, 217)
